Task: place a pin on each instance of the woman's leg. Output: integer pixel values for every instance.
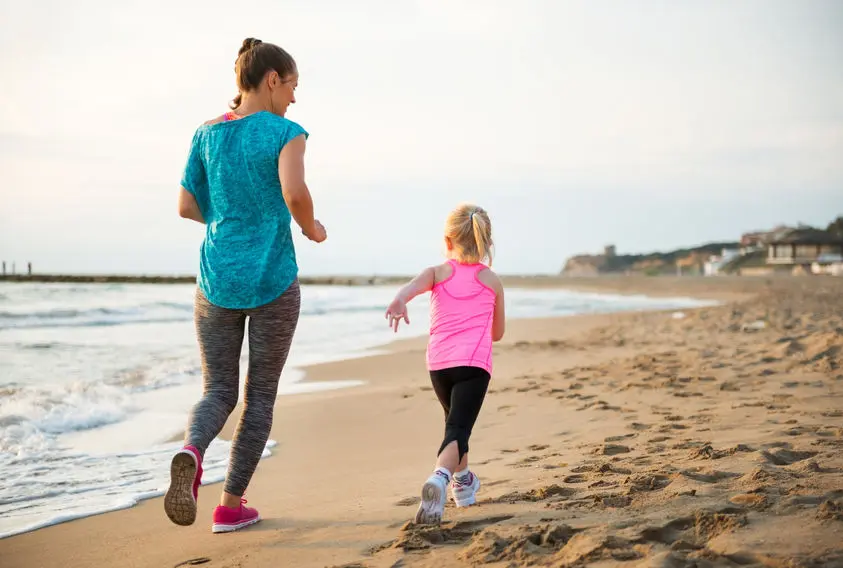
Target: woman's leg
(220, 334)
(271, 329)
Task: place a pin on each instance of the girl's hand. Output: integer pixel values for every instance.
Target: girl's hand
(397, 311)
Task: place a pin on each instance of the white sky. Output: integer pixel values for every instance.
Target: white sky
(649, 124)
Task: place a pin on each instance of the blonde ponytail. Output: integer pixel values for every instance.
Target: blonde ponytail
(482, 237)
(470, 231)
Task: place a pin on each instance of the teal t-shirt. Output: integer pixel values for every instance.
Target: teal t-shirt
(247, 257)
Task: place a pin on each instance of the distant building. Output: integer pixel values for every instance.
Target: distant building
(831, 264)
(804, 247)
(712, 266)
(757, 240)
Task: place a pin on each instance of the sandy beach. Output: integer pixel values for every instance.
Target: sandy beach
(709, 437)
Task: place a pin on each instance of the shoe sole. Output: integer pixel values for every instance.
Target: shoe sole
(179, 503)
(220, 528)
(468, 501)
(428, 512)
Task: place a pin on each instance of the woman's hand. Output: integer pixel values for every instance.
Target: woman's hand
(397, 311)
(318, 234)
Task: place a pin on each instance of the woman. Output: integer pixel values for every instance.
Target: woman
(244, 180)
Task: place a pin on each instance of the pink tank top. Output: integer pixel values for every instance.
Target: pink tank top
(461, 312)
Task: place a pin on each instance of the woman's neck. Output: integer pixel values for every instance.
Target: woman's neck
(250, 105)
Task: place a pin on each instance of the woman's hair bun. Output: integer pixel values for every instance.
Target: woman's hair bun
(248, 44)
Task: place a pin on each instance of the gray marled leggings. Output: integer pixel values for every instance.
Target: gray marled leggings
(220, 332)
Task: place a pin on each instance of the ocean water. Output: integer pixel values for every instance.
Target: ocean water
(96, 381)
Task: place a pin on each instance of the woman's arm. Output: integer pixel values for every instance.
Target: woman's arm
(188, 208)
(296, 194)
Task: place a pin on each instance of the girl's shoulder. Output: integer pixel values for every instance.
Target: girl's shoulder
(442, 272)
(488, 277)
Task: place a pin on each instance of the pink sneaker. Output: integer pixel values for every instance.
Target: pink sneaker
(185, 477)
(227, 519)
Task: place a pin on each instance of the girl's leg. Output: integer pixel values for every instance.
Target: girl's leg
(463, 465)
(271, 330)
(469, 390)
(467, 387)
(443, 386)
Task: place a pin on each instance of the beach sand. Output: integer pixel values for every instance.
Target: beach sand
(642, 439)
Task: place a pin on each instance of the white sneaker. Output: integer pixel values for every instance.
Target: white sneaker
(434, 494)
(465, 492)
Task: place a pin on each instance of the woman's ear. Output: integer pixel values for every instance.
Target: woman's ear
(449, 245)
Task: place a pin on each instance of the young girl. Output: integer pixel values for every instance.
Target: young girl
(466, 316)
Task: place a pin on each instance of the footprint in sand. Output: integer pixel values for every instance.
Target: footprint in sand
(422, 537)
(488, 461)
(535, 495)
(665, 428)
(708, 475)
(691, 533)
(642, 460)
(602, 484)
(526, 462)
(585, 468)
(576, 478)
(751, 500)
(830, 511)
(618, 438)
(612, 449)
(687, 394)
(707, 452)
(784, 456)
(408, 502)
(644, 482)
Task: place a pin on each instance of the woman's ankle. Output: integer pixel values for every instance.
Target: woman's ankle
(230, 501)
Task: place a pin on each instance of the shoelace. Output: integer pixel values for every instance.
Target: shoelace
(467, 481)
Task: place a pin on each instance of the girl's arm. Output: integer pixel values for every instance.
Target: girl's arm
(499, 320)
(397, 309)
(418, 285)
(188, 208)
(491, 280)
